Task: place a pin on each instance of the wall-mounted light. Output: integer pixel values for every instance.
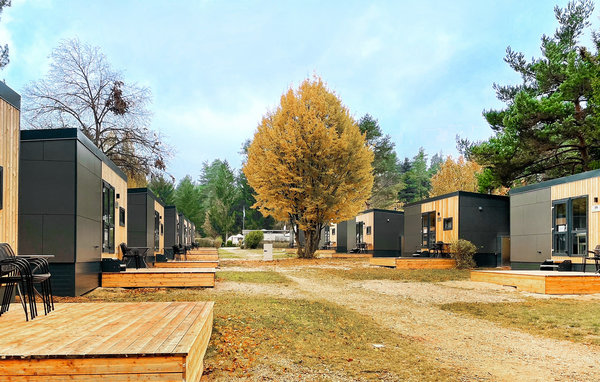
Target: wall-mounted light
(595, 199)
(118, 196)
(388, 220)
(438, 214)
(480, 208)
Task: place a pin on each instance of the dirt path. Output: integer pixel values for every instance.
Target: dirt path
(479, 349)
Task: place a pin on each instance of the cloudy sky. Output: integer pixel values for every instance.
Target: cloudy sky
(424, 69)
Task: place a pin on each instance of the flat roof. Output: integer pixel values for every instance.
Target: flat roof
(10, 96)
(62, 134)
(457, 193)
(380, 210)
(557, 181)
(145, 190)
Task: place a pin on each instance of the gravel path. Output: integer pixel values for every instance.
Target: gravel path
(479, 349)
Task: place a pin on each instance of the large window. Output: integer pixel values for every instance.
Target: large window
(569, 227)
(428, 229)
(108, 218)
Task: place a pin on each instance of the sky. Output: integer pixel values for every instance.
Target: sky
(423, 69)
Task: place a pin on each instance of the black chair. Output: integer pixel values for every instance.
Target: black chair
(18, 272)
(179, 251)
(595, 256)
(131, 253)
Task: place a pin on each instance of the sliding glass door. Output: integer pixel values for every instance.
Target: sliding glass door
(428, 229)
(569, 227)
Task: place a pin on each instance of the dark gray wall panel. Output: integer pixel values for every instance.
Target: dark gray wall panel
(412, 229)
(136, 220)
(351, 233)
(89, 194)
(88, 160)
(46, 187)
(341, 233)
(483, 227)
(30, 234)
(87, 277)
(60, 150)
(388, 231)
(59, 237)
(150, 224)
(62, 279)
(170, 227)
(32, 151)
(531, 226)
(89, 239)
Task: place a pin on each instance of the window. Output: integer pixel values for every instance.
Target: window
(447, 224)
(428, 229)
(570, 226)
(122, 216)
(162, 229)
(332, 231)
(108, 218)
(368, 230)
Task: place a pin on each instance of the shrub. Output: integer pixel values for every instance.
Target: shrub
(206, 242)
(253, 239)
(217, 242)
(462, 251)
(229, 243)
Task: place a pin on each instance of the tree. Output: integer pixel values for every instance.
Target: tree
(220, 196)
(163, 188)
(549, 127)
(416, 179)
(82, 91)
(309, 163)
(188, 200)
(4, 60)
(455, 176)
(387, 181)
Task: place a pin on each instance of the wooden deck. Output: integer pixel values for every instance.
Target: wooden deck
(186, 264)
(200, 257)
(352, 255)
(142, 341)
(413, 263)
(546, 282)
(159, 277)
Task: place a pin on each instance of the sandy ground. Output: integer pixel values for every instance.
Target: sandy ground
(479, 349)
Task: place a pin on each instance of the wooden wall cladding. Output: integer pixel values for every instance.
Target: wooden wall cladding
(9, 161)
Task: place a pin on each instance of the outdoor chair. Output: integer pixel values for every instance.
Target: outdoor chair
(179, 251)
(17, 272)
(595, 256)
(131, 253)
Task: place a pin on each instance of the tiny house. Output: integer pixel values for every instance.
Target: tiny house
(558, 219)
(381, 232)
(72, 204)
(171, 230)
(185, 227)
(145, 221)
(345, 234)
(10, 106)
(480, 218)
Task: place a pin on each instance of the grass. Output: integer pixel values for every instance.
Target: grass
(577, 321)
(417, 275)
(278, 253)
(259, 277)
(296, 339)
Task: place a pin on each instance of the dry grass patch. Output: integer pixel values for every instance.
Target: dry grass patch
(260, 277)
(288, 339)
(572, 320)
(417, 275)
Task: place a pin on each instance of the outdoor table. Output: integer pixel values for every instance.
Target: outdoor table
(140, 253)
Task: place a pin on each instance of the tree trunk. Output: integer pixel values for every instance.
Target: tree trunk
(312, 238)
(300, 250)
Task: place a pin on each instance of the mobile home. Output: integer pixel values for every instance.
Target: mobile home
(72, 204)
(480, 218)
(381, 232)
(345, 234)
(10, 106)
(171, 230)
(557, 219)
(146, 221)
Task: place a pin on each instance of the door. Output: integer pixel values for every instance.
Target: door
(428, 229)
(569, 227)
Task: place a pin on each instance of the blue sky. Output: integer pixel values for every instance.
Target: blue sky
(424, 69)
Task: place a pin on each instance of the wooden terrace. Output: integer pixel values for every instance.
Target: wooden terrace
(413, 262)
(142, 341)
(187, 264)
(546, 282)
(159, 277)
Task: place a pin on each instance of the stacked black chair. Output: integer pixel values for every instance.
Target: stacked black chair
(16, 272)
(179, 250)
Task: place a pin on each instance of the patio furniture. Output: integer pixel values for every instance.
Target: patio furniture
(595, 256)
(138, 254)
(179, 250)
(23, 272)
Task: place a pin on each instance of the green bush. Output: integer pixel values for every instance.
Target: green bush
(205, 242)
(229, 243)
(462, 251)
(217, 242)
(253, 239)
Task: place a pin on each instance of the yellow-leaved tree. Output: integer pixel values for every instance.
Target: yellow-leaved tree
(455, 176)
(309, 164)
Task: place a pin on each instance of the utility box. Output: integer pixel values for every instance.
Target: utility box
(267, 252)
